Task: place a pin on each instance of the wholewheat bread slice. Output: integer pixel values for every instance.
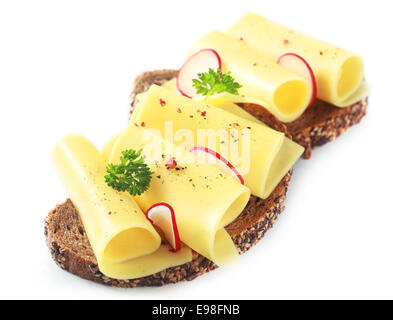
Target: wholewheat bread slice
(71, 250)
(320, 124)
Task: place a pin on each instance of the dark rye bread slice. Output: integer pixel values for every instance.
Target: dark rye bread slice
(71, 250)
(320, 124)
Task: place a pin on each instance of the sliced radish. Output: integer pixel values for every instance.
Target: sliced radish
(199, 62)
(298, 65)
(162, 215)
(227, 165)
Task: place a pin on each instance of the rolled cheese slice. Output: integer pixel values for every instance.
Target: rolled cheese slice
(262, 155)
(339, 72)
(205, 199)
(266, 83)
(124, 242)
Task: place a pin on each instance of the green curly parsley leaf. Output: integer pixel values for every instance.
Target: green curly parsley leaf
(131, 175)
(211, 82)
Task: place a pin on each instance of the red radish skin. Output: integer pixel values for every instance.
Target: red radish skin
(199, 62)
(176, 246)
(222, 159)
(292, 62)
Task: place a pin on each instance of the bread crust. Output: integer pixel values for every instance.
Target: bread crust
(319, 125)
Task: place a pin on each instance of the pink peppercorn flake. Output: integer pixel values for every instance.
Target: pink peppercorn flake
(178, 110)
(142, 124)
(241, 38)
(171, 163)
(162, 102)
(109, 212)
(203, 113)
(286, 41)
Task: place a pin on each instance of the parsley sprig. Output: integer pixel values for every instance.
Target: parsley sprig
(211, 82)
(131, 175)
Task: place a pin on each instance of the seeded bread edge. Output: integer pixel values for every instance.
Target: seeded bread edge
(71, 250)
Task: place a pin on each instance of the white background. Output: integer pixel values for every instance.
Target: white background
(68, 66)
